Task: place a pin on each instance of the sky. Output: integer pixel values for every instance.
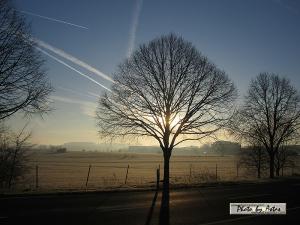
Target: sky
(83, 42)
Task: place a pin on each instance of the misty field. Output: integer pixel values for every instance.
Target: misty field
(61, 171)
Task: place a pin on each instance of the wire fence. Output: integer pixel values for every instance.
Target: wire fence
(62, 175)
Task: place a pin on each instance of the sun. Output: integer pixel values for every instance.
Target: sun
(174, 121)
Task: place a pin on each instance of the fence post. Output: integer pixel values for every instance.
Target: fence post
(88, 176)
(36, 176)
(237, 169)
(126, 174)
(216, 171)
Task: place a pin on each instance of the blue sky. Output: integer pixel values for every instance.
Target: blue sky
(242, 37)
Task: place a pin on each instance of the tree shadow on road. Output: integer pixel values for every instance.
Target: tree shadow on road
(150, 213)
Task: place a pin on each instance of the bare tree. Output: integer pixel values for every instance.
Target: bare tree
(254, 156)
(14, 148)
(270, 114)
(283, 158)
(23, 84)
(167, 91)
(5, 155)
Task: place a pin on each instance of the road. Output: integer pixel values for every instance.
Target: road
(197, 206)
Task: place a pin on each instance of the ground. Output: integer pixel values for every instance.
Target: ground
(192, 206)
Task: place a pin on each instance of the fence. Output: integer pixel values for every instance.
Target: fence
(49, 175)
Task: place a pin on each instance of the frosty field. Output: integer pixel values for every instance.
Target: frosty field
(57, 171)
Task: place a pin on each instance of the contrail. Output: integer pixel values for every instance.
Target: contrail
(52, 19)
(72, 59)
(27, 39)
(76, 92)
(135, 23)
(72, 68)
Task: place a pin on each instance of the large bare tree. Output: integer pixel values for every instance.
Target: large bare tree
(270, 114)
(170, 92)
(23, 83)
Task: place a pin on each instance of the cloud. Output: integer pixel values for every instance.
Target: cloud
(67, 100)
(72, 68)
(87, 108)
(52, 19)
(76, 92)
(73, 59)
(135, 23)
(93, 94)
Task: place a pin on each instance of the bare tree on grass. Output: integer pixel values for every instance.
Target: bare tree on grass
(283, 158)
(167, 91)
(23, 83)
(5, 155)
(254, 156)
(270, 114)
(14, 148)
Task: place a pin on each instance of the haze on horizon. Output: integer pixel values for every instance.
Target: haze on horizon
(243, 38)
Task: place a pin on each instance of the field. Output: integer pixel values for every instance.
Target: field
(57, 171)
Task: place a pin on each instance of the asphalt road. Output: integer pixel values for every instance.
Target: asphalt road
(197, 206)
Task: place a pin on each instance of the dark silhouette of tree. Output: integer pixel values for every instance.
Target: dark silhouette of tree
(23, 84)
(270, 114)
(168, 91)
(283, 158)
(254, 156)
(14, 148)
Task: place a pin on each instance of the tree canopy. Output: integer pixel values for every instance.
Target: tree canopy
(167, 89)
(23, 83)
(270, 114)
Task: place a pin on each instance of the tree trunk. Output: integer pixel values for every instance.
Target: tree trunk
(277, 164)
(258, 171)
(12, 170)
(272, 165)
(278, 171)
(164, 216)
